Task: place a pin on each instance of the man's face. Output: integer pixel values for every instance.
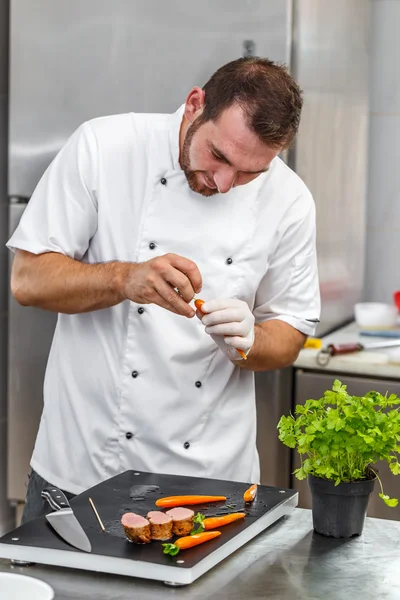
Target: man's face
(217, 156)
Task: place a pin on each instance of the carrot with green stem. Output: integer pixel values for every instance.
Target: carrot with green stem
(189, 541)
(198, 304)
(172, 501)
(209, 523)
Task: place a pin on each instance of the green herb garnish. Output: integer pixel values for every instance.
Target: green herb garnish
(170, 549)
(198, 519)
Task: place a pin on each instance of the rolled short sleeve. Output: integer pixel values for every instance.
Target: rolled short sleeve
(289, 290)
(61, 215)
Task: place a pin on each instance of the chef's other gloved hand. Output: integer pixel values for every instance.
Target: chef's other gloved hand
(230, 324)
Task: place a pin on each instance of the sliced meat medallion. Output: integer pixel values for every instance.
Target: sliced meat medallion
(137, 528)
(183, 520)
(160, 525)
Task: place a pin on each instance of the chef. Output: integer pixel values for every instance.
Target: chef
(136, 216)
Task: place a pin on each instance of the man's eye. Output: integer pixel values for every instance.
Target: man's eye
(215, 156)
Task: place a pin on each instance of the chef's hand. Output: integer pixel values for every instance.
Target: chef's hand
(153, 282)
(231, 325)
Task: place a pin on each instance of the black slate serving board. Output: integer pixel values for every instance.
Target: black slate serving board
(137, 492)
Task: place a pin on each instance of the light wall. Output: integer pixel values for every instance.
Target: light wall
(382, 275)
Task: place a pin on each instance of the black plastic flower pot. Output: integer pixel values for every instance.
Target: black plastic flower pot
(339, 511)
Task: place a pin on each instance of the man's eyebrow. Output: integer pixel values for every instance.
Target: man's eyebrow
(226, 160)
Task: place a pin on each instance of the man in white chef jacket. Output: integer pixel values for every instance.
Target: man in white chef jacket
(134, 209)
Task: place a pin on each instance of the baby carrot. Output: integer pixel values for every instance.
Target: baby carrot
(198, 304)
(189, 541)
(215, 522)
(171, 501)
(250, 494)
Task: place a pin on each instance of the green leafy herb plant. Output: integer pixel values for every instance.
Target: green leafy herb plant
(339, 437)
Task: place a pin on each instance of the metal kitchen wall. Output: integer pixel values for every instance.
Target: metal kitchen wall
(6, 514)
(330, 60)
(72, 61)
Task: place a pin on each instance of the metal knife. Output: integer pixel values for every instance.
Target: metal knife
(335, 349)
(64, 521)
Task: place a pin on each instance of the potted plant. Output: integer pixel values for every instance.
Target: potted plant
(339, 438)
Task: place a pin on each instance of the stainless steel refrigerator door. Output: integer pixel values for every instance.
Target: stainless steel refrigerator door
(273, 399)
(30, 332)
(330, 62)
(312, 385)
(72, 61)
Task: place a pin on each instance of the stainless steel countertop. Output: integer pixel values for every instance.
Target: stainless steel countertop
(286, 562)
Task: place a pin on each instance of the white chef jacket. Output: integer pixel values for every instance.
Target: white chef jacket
(138, 387)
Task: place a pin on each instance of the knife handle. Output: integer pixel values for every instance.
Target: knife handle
(335, 349)
(55, 498)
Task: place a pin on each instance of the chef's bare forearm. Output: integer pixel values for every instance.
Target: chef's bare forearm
(55, 282)
(276, 345)
(61, 284)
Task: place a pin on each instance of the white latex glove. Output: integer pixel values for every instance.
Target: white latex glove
(230, 324)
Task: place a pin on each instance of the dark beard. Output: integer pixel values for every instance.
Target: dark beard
(192, 176)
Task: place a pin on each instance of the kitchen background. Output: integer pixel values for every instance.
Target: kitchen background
(62, 63)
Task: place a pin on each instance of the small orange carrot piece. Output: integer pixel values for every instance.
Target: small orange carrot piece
(171, 501)
(242, 353)
(215, 522)
(198, 304)
(189, 541)
(250, 494)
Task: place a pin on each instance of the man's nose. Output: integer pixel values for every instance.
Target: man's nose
(224, 179)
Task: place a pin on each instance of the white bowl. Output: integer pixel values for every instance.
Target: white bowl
(20, 587)
(375, 315)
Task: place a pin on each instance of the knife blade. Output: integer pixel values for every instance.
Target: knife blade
(63, 520)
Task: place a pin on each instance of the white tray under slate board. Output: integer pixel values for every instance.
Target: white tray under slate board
(137, 492)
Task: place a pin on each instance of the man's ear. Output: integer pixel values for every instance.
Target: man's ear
(194, 104)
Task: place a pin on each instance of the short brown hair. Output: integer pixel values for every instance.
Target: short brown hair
(269, 96)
